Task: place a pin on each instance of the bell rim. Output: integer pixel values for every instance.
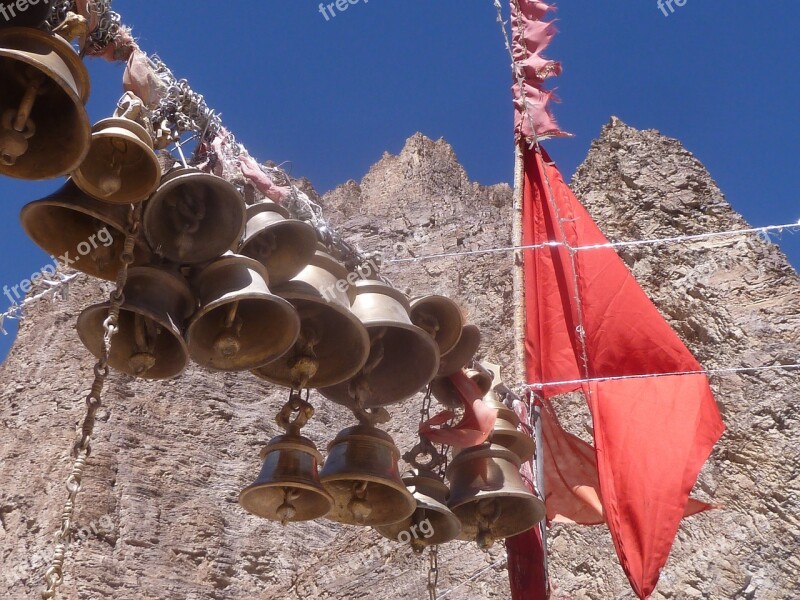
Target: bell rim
(535, 504)
(314, 382)
(171, 180)
(421, 300)
(295, 229)
(336, 393)
(319, 490)
(376, 286)
(406, 524)
(475, 342)
(120, 198)
(403, 493)
(173, 329)
(65, 52)
(114, 222)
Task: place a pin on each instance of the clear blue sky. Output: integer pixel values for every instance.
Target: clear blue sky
(332, 96)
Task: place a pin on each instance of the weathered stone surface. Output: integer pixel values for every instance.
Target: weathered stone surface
(170, 458)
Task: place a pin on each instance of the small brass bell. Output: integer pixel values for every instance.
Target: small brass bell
(482, 377)
(403, 358)
(432, 523)
(121, 166)
(149, 343)
(445, 391)
(288, 488)
(362, 474)
(241, 325)
(441, 318)
(463, 352)
(284, 245)
(194, 217)
(333, 344)
(488, 495)
(506, 431)
(44, 128)
(80, 231)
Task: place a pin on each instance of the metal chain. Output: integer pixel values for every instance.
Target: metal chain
(433, 572)
(54, 576)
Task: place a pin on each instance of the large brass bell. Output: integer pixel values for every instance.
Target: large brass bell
(403, 358)
(121, 166)
(149, 343)
(241, 325)
(362, 474)
(288, 488)
(432, 523)
(83, 233)
(462, 353)
(441, 318)
(284, 245)
(488, 495)
(333, 344)
(194, 217)
(44, 128)
(506, 431)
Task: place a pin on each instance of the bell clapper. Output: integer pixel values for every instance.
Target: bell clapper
(305, 365)
(17, 126)
(359, 505)
(145, 334)
(428, 322)
(227, 342)
(111, 181)
(287, 511)
(487, 513)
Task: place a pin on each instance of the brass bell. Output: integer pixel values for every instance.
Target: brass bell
(445, 391)
(432, 523)
(403, 358)
(84, 233)
(488, 495)
(241, 325)
(506, 431)
(333, 344)
(482, 377)
(441, 318)
(288, 488)
(121, 166)
(284, 245)
(44, 128)
(194, 217)
(149, 343)
(463, 352)
(362, 474)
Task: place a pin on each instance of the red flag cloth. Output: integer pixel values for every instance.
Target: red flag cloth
(527, 558)
(652, 435)
(474, 427)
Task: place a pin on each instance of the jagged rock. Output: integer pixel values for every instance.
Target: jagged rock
(160, 500)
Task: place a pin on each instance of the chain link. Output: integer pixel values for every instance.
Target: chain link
(433, 572)
(54, 576)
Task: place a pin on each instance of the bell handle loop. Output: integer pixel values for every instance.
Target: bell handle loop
(295, 404)
(129, 106)
(423, 449)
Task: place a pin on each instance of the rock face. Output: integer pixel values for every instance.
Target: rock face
(159, 505)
